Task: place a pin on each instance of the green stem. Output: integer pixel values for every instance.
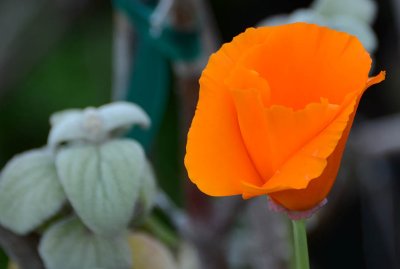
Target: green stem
(300, 244)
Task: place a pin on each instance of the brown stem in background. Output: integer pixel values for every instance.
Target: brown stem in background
(123, 47)
(21, 249)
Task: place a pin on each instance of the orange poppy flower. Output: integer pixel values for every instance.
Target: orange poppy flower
(275, 109)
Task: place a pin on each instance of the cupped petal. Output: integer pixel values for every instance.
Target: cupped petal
(304, 62)
(272, 135)
(290, 130)
(318, 188)
(306, 178)
(309, 161)
(254, 129)
(216, 157)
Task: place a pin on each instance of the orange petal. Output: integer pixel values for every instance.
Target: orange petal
(318, 188)
(254, 129)
(223, 61)
(216, 157)
(304, 62)
(245, 79)
(291, 130)
(310, 160)
(376, 79)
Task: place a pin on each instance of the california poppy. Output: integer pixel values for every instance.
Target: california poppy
(274, 112)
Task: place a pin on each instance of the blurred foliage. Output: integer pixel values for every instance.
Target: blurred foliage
(3, 260)
(166, 155)
(75, 73)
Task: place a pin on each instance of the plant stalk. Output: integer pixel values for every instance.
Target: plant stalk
(300, 244)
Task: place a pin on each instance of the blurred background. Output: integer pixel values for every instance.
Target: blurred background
(72, 54)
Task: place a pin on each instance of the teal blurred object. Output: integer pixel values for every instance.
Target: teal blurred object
(150, 82)
(173, 43)
(149, 85)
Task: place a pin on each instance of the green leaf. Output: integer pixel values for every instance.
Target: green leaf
(30, 191)
(102, 182)
(70, 245)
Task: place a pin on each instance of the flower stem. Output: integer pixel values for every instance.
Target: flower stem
(300, 244)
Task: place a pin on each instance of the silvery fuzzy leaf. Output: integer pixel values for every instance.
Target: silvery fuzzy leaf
(70, 245)
(363, 10)
(60, 116)
(95, 124)
(87, 126)
(123, 114)
(147, 194)
(67, 129)
(30, 191)
(102, 182)
(148, 191)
